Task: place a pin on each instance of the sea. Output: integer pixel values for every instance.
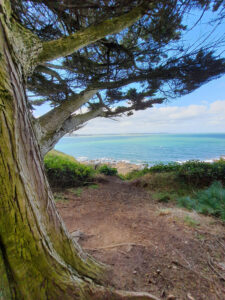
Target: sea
(147, 149)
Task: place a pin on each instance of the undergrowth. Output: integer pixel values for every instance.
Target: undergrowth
(194, 185)
(194, 173)
(210, 201)
(107, 170)
(64, 171)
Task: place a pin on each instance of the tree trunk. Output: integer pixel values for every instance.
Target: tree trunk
(38, 259)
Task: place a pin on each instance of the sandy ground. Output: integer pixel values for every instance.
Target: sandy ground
(150, 246)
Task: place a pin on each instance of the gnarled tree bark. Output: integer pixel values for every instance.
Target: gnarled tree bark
(38, 259)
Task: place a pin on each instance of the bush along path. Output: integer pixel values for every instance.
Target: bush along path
(151, 245)
(64, 171)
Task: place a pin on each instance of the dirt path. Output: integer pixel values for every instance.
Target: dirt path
(151, 247)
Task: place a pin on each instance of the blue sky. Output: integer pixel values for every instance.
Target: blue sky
(202, 111)
(210, 92)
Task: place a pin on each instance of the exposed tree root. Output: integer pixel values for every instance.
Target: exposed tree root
(102, 293)
(135, 296)
(211, 263)
(115, 246)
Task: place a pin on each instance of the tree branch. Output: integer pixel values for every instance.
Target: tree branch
(53, 119)
(67, 45)
(46, 70)
(102, 102)
(73, 123)
(136, 106)
(58, 67)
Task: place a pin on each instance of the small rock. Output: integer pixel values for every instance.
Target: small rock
(134, 272)
(158, 271)
(77, 235)
(151, 281)
(129, 247)
(189, 296)
(163, 294)
(222, 265)
(171, 297)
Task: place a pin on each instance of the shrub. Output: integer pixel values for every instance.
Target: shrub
(64, 171)
(210, 201)
(136, 174)
(201, 174)
(163, 183)
(170, 167)
(194, 173)
(107, 170)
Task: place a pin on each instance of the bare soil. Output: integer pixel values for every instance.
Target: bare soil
(153, 247)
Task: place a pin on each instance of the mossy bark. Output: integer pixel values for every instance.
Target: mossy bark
(5, 288)
(67, 45)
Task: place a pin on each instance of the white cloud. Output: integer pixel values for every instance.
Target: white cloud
(218, 107)
(193, 118)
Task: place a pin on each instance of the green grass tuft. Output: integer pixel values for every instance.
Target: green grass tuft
(93, 186)
(60, 197)
(191, 222)
(210, 201)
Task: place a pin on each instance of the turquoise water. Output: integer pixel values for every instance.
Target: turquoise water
(144, 148)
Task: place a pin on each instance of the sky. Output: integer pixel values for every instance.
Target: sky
(202, 111)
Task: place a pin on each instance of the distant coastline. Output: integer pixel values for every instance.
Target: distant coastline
(125, 166)
(114, 134)
(142, 133)
(145, 148)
